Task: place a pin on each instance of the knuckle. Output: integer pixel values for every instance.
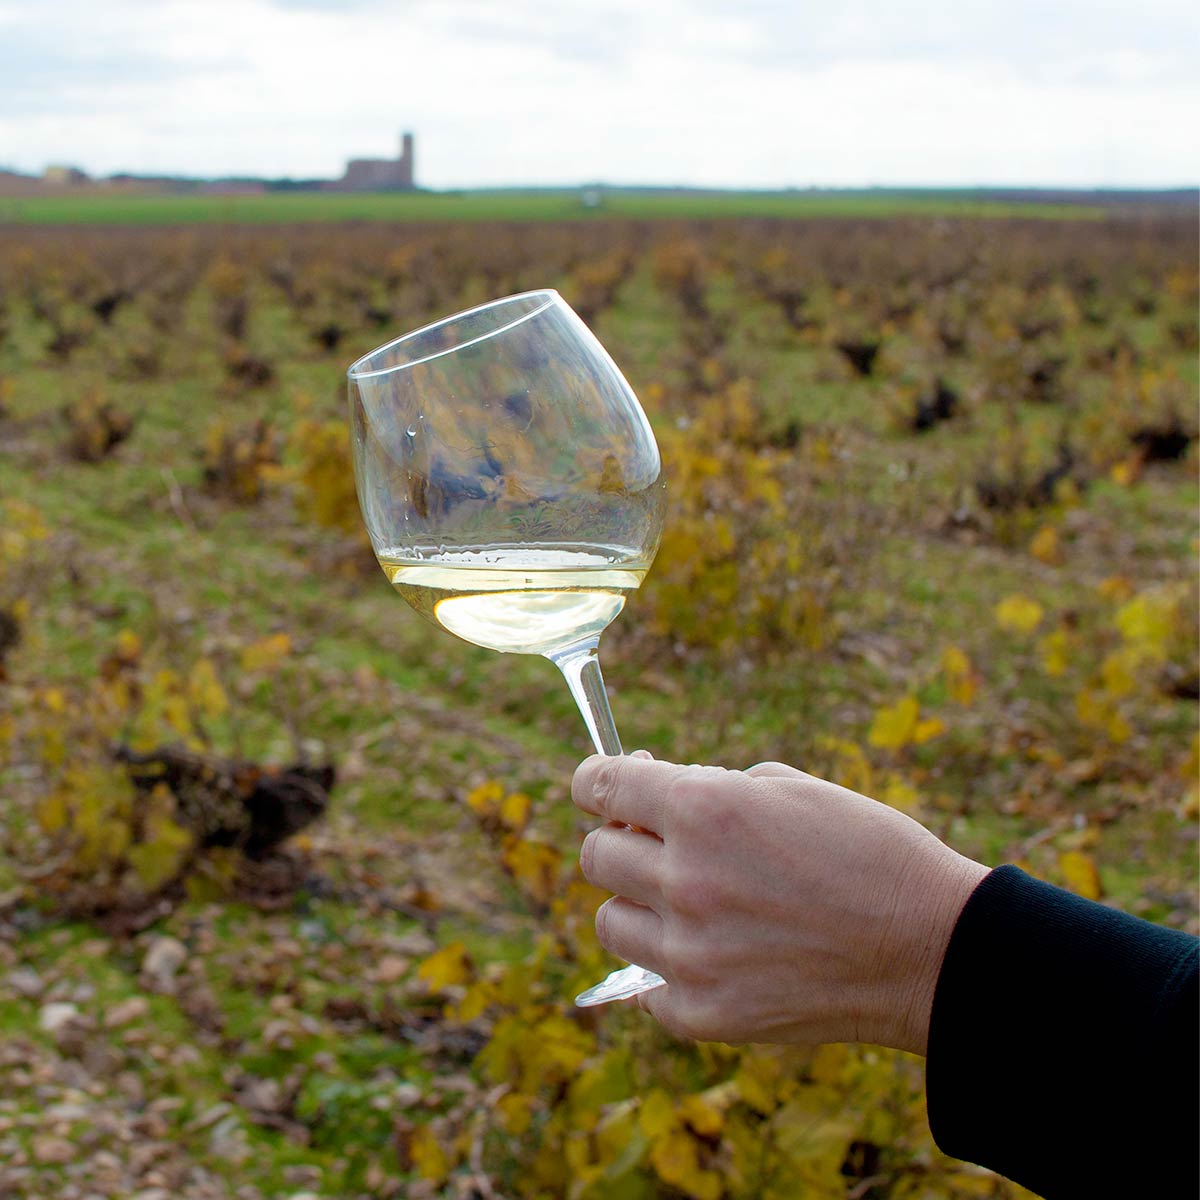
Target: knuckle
(593, 780)
(705, 799)
(771, 769)
(606, 779)
(685, 891)
(580, 781)
(604, 924)
(684, 794)
(587, 856)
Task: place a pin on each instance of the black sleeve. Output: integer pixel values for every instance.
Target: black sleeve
(1064, 1045)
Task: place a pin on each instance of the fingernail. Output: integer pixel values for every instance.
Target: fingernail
(641, 754)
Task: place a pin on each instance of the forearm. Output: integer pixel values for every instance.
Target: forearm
(1063, 1044)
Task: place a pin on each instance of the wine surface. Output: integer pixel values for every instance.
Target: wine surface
(517, 599)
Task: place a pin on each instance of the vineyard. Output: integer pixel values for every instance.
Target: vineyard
(289, 897)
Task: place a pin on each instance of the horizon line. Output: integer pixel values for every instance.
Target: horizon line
(581, 185)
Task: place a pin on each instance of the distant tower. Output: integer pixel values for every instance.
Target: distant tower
(379, 174)
(407, 161)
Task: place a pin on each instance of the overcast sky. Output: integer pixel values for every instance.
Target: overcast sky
(754, 93)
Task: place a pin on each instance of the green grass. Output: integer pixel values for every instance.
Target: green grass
(550, 205)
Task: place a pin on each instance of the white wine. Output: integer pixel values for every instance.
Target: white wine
(517, 599)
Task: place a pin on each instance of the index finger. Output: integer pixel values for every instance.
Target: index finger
(625, 789)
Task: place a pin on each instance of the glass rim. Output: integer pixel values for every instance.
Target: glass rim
(354, 371)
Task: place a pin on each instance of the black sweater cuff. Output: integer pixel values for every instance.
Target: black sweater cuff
(1064, 1044)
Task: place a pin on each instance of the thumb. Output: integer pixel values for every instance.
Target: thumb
(660, 1004)
(653, 1000)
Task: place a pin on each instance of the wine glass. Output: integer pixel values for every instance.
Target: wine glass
(512, 490)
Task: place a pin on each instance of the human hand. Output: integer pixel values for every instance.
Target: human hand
(778, 907)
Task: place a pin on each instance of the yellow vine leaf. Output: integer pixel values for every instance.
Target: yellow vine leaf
(601, 1082)
(621, 1148)
(20, 526)
(515, 811)
(893, 726)
(579, 1169)
(676, 1158)
(574, 906)
(829, 1062)
(205, 691)
(484, 799)
(548, 1052)
(1148, 623)
(53, 746)
(1080, 873)
(1018, 614)
(702, 1116)
(267, 653)
(322, 453)
(812, 1139)
(1066, 493)
(1046, 547)
(854, 770)
(214, 876)
(927, 729)
(1098, 711)
(515, 1112)
(429, 1158)
(1117, 672)
(1191, 764)
(158, 858)
(177, 714)
(900, 794)
(1125, 472)
(1115, 587)
(757, 1087)
(1055, 652)
(128, 647)
(900, 725)
(535, 866)
(165, 703)
(961, 680)
(771, 1065)
(52, 812)
(656, 1115)
(479, 996)
(447, 967)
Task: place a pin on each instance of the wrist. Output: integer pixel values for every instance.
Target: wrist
(943, 896)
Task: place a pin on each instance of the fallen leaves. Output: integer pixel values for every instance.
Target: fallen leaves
(1080, 874)
(448, 967)
(899, 725)
(1019, 614)
(266, 654)
(962, 680)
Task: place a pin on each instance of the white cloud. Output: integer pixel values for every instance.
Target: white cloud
(770, 93)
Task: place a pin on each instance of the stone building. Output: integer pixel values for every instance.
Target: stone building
(380, 174)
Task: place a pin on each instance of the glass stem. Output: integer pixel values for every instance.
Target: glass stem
(580, 666)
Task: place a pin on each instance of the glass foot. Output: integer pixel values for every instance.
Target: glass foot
(620, 985)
